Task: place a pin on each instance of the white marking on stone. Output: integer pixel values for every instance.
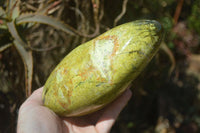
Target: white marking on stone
(101, 54)
(59, 77)
(60, 93)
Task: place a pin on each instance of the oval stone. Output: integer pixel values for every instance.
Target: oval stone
(98, 71)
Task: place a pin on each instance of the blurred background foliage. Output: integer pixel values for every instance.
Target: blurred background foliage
(166, 96)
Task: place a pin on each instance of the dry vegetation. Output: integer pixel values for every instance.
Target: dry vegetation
(36, 34)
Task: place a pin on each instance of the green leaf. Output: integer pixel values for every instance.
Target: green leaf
(2, 18)
(36, 18)
(25, 54)
(2, 48)
(13, 9)
(13, 31)
(2, 12)
(3, 26)
(27, 58)
(16, 11)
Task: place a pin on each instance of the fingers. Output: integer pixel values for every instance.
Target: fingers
(34, 117)
(111, 113)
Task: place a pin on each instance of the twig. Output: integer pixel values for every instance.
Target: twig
(171, 57)
(122, 12)
(178, 11)
(80, 19)
(30, 7)
(51, 11)
(44, 10)
(81, 24)
(43, 49)
(102, 10)
(95, 4)
(60, 11)
(96, 20)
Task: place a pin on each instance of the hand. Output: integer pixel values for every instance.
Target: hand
(35, 118)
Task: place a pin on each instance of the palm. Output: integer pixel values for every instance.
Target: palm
(34, 117)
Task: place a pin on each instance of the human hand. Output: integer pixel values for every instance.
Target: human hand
(35, 118)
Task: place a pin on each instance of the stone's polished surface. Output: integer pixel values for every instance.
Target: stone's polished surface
(98, 71)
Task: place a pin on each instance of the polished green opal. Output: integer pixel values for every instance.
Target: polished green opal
(98, 71)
